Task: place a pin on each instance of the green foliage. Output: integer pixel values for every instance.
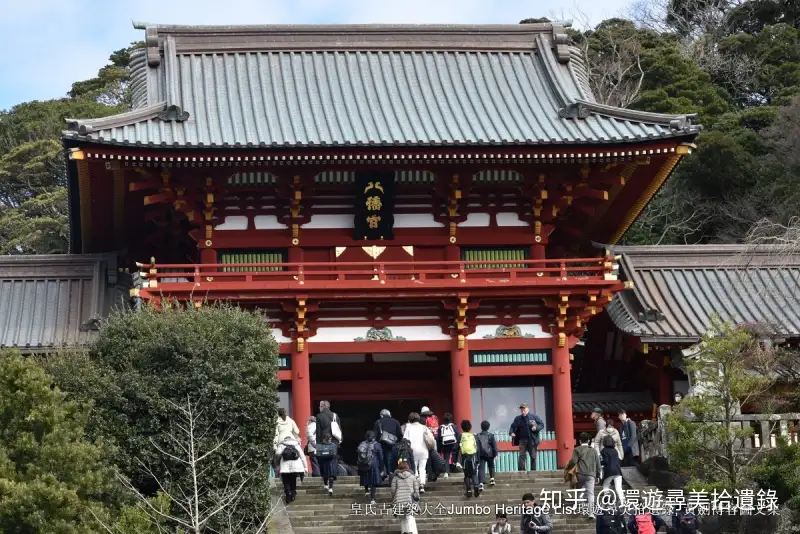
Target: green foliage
(110, 86)
(730, 368)
(52, 478)
(33, 207)
(221, 357)
(736, 64)
(780, 471)
(137, 519)
(675, 84)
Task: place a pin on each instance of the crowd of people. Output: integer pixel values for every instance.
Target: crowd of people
(408, 456)
(600, 458)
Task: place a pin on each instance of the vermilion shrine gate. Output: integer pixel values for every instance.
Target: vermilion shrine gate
(413, 206)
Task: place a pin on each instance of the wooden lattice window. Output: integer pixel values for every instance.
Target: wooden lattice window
(488, 254)
(253, 256)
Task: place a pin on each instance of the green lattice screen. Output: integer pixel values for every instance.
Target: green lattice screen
(252, 256)
(489, 254)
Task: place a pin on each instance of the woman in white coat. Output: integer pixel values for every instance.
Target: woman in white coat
(284, 427)
(421, 438)
(293, 464)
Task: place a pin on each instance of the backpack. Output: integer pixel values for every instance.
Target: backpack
(432, 422)
(485, 445)
(644, 524)
(289, 453)
(448, 434)
(688, 524)
(364, 458)
(468, 444)
(613, 524)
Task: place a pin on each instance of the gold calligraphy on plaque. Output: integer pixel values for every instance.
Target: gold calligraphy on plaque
(373, 221)
(374, 203)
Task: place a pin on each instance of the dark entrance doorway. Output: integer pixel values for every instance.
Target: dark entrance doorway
(358, 416)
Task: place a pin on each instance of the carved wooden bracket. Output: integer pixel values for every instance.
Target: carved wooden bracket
(295, 208)
(452, 206)
(300, 324)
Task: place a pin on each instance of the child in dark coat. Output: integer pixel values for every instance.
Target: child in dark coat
(370, 477)
(487, 451)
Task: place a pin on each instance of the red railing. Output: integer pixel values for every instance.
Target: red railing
(545, 271)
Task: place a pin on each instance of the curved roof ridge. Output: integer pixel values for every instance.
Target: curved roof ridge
(580, 73)
(344, 28)
(675, 122)
(87, 126)
(363, 37)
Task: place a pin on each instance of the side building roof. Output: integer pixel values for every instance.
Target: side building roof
(677, 288)
(366, 85)
(56, 301)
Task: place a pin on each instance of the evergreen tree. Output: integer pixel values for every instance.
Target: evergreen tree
(52, 479)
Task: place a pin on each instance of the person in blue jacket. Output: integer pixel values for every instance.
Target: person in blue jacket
(524, 433)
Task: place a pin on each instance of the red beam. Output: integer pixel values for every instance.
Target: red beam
(382, 347)
(511, 370)
(343, 237)
(262, 291)
(284, 375)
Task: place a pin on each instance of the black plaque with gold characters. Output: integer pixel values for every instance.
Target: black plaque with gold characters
(374, 205)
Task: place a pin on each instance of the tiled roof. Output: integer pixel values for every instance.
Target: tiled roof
(49, 302)
(677, 288)
(271, 86)
(611, 403)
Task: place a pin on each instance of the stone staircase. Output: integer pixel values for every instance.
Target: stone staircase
(316, 512)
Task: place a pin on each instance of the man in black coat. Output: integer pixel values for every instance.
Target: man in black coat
(325, 419)
(525, 433)
(388, 432)
(328, 467)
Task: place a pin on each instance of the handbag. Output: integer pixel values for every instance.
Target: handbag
(430, 442)
(571, 476)
(326, 450)
(336, 431)
(387, 438)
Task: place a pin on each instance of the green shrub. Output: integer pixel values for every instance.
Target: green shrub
(222, 358)
(52, 478)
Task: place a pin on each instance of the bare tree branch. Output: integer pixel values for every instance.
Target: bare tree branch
(202, 502)
(674, 215)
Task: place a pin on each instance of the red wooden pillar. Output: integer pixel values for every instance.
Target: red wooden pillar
(208, 255)
(562, 404)
(459, 370)
(295, 255)
(301, 388)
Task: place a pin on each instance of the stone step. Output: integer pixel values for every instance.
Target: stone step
(346, 510)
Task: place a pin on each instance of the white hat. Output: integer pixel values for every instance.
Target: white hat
(425, 410)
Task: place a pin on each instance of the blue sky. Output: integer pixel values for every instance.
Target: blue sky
(48, 44)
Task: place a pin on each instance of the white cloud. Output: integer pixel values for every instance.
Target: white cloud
(48, 44)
